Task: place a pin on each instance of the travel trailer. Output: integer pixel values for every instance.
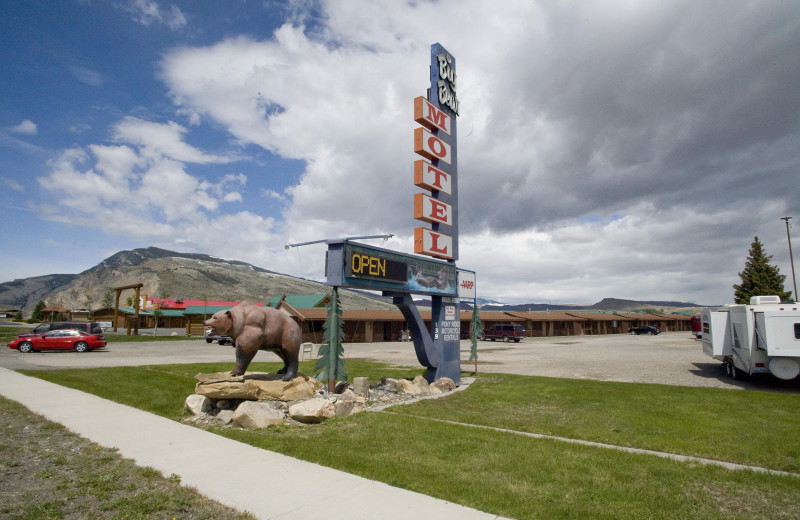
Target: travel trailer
(760, 338)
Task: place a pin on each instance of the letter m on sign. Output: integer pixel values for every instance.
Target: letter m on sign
(429, 116)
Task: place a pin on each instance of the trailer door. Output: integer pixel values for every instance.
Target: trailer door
(716, 334)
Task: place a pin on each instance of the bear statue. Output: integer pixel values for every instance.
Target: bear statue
(255, 328)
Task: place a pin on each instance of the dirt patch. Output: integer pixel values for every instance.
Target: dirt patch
(47, 471)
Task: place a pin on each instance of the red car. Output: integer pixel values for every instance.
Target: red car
(62, 339)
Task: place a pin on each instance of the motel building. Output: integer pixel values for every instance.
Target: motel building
(373, 325)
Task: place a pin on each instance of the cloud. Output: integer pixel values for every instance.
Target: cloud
(12, 184)
(138, 184)
(26, 127)
(149, 12)
(162, 139)
(629, 151)
(271, 194)
(87, 76)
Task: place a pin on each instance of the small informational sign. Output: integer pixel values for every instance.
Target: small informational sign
(466, 285)
(450, 312)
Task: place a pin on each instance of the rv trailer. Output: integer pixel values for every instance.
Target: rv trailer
(760, 338)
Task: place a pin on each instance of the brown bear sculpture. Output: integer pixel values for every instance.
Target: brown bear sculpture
(255, 328)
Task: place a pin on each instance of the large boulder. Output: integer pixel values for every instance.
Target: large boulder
(312, 411)
(255, 386)
(253, 415)
(349, 403)
(419, 386)
(199, 404)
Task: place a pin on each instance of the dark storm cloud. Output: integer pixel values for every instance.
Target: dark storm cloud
(674, 104)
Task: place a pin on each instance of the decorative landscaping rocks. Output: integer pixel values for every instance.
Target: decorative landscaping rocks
(253, 415)
(259, 400)
(361, 386)
(198, 404)
(312, 411)
(255, 386)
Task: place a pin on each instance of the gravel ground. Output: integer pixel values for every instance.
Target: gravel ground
(673, 358)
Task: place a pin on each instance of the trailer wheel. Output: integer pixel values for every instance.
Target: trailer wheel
(731, 370)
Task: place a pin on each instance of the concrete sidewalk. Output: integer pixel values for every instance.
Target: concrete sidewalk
(267, 484)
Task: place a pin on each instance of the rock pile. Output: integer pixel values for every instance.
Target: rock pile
(258, 400)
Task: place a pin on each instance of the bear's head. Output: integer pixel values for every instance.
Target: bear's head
(221, 323)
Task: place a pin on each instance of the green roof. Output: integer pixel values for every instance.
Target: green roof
(301, 301)
(164, 312)
(204, 309)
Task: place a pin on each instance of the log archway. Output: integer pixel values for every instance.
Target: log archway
(136, 287)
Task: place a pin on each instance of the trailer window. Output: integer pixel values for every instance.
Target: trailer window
(797, 331)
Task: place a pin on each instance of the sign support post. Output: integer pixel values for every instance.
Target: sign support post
(350, 264)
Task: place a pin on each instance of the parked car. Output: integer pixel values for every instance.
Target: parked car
(59, 339)
(504, 331)
(222, 340)
(89, 327)
(645, 329)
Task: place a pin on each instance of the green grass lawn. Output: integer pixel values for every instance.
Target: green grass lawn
(522, 477)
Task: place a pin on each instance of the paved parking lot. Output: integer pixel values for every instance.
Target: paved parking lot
(674, 358)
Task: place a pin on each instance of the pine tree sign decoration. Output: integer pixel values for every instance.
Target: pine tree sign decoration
(475, 330)
(330, 363)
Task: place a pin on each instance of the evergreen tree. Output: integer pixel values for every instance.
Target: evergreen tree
(108, 300)
(330, 362)
(759, 277)
(38, 315)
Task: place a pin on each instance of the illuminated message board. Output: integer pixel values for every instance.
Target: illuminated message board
(359, 266)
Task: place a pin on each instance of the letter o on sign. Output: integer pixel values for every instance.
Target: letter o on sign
(437, 147)
(431, 147)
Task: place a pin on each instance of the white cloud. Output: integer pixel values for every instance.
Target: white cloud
(12, 184)
(26, 127)
(158, 139)
(271, 194)
(87, 76)
(149, 12)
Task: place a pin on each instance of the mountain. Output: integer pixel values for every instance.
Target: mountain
(614, 304)
(193, 276)
(181, 275)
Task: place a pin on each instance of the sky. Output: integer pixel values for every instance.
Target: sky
(625, 149)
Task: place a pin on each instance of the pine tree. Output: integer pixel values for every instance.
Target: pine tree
(330, 362)
(38, 315)
(759, 277)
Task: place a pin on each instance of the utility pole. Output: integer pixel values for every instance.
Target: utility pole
(791, 256)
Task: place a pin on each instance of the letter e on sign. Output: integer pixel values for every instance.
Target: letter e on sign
(431, 178)
(432, 243)
(432, 210)
(431, 147)
(429, 116)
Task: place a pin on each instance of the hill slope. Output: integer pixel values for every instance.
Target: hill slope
(167, 272)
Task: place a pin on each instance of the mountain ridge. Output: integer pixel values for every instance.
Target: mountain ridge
(193, 275)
